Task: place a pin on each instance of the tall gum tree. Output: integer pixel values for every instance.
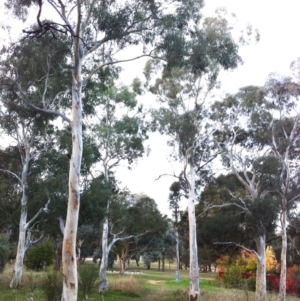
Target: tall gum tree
(182, 93)
(282, 96)
(98, 31)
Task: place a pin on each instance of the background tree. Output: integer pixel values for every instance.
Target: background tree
(120, 137)
(183, 92)
(29, 129)
(248, 152)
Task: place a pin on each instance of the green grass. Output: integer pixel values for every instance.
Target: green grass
(151, 285)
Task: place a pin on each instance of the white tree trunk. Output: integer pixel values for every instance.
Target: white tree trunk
(177, 255)
(18, 268)
(194, 292)
(69, 263)
(103, 287)
(282, 283)
(261, 286)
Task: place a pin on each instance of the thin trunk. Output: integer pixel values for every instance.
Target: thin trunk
(194, 292)
(158, 264)
(282, 283)
(177, 251)
(103, 287)
(121, 265)
(261, 287)
(69, 263)
(163, 263)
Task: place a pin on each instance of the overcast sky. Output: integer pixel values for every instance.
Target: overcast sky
(278, 23)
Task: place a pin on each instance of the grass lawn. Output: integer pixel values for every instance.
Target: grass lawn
(149, 285)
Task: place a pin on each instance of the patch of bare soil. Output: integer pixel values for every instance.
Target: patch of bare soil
(156, 281)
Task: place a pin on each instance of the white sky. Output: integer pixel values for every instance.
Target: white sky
(279, 25)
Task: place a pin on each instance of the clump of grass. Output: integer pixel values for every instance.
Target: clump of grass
(88, 279)
(129, 285)
(181, 295)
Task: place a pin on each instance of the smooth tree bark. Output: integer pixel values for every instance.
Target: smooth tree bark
(194, 291)
(69, 262)
(103, 286)
(22, 246)
(177, 254)
(261, 282)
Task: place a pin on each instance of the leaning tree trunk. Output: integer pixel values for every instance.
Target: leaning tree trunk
(282, 283)
(103, 287)
(69, 263)
(194, 292)
(261, 287)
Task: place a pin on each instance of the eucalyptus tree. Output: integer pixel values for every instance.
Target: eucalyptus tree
(145, 222)
(259, 139)
(281, 100)
(99, 31)
(182, 93)
(120, 131)
(28, 129)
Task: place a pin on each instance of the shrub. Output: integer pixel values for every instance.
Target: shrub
(52, 285)
(40, 256)
(88, 276)
(251, 284)
(232, 277)
(4, 252)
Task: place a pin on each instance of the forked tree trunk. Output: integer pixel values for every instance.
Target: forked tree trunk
(194, 292)
(103, 287)
(261, 286)
(69, 263)
(282, 282)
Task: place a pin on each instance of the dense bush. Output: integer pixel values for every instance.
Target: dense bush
(232, 277)
(40, 256)
(4, 252)
(52, 285)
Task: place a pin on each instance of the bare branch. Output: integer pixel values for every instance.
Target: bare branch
(45, 209)
(11, 173)
(238, 245)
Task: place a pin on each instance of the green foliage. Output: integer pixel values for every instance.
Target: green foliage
(251, 284)
(4, 251)
(232, 277)
(263, 216)
(52, 285)
(40, 256)
(88, 276)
